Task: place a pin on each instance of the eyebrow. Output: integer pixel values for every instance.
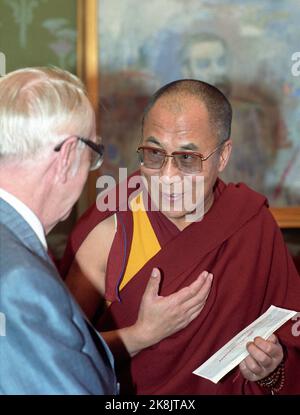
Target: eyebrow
(153, 140)
(188, 146)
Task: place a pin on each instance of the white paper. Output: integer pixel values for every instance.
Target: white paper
(235, 350)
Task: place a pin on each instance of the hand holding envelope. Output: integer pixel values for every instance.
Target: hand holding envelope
(235, 350)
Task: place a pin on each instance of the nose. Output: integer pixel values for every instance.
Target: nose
(169, 172)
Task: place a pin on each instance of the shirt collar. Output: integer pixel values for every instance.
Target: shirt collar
(26, 214)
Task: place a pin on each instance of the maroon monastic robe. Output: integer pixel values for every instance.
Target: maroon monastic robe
(240, 243)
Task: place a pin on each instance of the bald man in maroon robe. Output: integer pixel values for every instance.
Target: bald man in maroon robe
(221, 269)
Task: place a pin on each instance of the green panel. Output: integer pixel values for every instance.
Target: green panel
(38, 32)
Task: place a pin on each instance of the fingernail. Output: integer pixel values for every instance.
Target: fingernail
(154, 273)
(210, 277)
(205, 274)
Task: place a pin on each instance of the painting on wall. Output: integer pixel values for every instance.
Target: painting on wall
(244, 47)
(38, 32)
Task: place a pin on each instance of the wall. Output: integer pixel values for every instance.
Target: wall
(37, 33)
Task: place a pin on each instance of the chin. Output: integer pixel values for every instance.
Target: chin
(65, 216)
(184, 217)
(173, 214)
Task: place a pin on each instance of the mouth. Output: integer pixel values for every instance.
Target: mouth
(172, 196)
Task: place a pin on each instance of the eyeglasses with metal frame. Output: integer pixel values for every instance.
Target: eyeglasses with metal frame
(189, 162)
(97, 154)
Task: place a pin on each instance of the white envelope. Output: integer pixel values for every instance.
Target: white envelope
(235, 350)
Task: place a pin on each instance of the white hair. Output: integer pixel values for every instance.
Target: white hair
(40, 107)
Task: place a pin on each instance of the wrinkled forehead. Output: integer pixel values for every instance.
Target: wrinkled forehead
(178, 108)
(178, 122)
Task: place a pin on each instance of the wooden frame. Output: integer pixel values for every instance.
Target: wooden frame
(288, 217)
(87, 68)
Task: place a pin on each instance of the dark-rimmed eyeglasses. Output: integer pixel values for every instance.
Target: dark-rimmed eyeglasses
(188, 162)
(97, 154)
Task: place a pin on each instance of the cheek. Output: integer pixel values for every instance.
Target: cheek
(209, 180)
(85, 171)
(209, 176)
(81, 177)
(148, 174)
(145, 173)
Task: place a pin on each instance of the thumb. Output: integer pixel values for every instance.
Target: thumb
(273, 339)
(153, 283)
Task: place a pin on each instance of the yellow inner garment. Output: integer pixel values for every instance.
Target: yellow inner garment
(144, 243)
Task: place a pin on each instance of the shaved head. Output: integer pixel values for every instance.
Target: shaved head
(176, 95)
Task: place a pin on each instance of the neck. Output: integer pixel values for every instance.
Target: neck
(30, 191)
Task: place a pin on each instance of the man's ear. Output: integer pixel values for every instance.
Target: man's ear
(65, 159)
(225, 155)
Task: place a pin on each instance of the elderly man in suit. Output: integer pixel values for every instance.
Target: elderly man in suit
(48, 145)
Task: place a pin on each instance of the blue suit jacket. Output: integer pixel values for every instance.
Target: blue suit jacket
(48, 347)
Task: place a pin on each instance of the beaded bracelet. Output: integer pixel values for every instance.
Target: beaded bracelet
(275, 381)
